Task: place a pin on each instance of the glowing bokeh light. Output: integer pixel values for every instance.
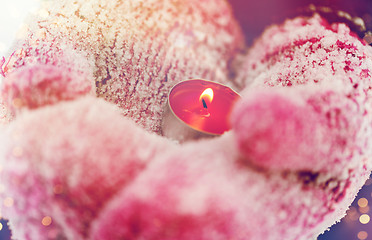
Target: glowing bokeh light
(362, 235)
(363, 202)
(17, 103)
(18, 9)
(8, 202)
(364, 219)
(364, 209)
(46, 221)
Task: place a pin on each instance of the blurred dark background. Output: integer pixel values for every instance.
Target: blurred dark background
(254, 16)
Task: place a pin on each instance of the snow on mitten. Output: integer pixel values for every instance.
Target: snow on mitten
(63, 163)
(307, 104)
(132, 51)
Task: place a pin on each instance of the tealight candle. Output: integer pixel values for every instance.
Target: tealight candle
(198, 108)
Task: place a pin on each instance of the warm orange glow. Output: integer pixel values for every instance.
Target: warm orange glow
(364, 219)
(46, 221)
(362, 235)
(207, 95)
(363, 202)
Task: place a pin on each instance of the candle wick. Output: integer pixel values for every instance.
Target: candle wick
(204, 103)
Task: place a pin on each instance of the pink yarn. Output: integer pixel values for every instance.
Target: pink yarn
(79, 167)
(40, 85)
(304, 96)
(134, 52)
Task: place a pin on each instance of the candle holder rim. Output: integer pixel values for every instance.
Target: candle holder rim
(180, 120)
(190, 126)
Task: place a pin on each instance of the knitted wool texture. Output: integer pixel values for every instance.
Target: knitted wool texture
(83, 95)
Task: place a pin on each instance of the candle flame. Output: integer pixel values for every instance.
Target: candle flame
(206, 96)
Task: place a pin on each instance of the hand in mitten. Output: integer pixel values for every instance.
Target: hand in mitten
(133, 52)
(307, 100)
(130, 54)
(298, 148)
